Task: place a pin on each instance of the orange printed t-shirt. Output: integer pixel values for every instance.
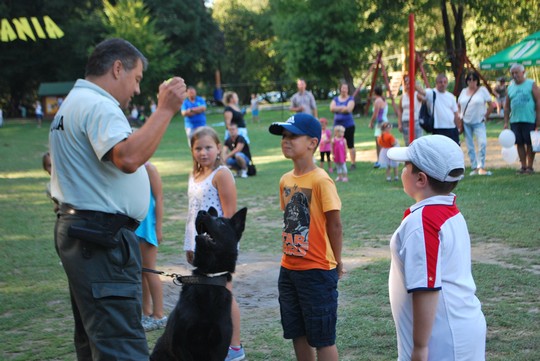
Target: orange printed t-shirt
(386, 140)
(304, 201)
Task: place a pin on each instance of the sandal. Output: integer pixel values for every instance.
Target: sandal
(529, 171)
(521, 170)
(482, 171)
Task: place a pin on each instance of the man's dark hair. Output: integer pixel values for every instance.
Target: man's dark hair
(110, 50)
(438, 186)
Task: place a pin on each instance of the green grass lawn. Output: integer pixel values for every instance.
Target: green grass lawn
(503, 214)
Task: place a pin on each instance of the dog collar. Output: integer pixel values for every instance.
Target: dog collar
(215, 274)
(220, 280)
(212, 279)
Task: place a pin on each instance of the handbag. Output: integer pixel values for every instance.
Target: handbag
(466, 105)
(426, 119)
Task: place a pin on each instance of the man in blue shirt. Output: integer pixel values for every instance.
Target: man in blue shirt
(193, 109)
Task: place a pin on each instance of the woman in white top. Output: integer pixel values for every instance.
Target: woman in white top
(473, 111)
(211, 184)
(404, 113)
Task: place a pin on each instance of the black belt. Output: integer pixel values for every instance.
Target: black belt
(126, 221)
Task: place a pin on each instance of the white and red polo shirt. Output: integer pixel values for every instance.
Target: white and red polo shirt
(431, 251)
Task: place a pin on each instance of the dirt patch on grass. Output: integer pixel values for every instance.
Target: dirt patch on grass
(515, 258)
(494, 159)
(255, 281)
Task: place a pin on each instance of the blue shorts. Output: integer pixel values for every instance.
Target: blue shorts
(308, 305)
(231, 162)
(522, 132)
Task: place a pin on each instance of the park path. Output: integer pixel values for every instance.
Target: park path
(255, 280)
(494, 158)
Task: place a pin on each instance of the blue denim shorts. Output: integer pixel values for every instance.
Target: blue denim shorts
(308, 305)
(233, 163)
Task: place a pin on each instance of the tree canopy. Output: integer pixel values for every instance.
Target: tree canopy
(257, 45)
(142, 32)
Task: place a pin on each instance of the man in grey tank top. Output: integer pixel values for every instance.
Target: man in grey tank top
(522, 115)
(99, 179)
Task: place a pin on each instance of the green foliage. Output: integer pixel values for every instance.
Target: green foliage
(494, 28)
(131, 20)
(319, 39)
(193, 34)
(258, 45)
(249, 58)
(26, 64)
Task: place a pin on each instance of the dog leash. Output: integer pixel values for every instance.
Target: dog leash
(178, 280)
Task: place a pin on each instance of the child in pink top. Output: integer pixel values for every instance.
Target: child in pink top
(339, 149)
(326, 144)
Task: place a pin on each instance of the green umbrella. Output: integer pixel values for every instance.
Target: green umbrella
(526, 52)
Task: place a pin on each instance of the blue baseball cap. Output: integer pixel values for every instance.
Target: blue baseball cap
(299, 124)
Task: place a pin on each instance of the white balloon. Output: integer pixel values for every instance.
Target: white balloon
(507, 138)
(510, 155)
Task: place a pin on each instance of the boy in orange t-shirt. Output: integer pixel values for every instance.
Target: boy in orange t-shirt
(312, 241)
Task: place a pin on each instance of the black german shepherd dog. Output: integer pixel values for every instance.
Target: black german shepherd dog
(200, 327)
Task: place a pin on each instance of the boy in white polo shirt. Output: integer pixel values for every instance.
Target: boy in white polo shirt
(432, 291)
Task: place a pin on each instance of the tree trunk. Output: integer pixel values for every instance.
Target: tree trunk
(456, 48)
(348, 78)
(460, 48)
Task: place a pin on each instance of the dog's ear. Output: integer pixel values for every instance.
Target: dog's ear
(239, 221)
(213, 212)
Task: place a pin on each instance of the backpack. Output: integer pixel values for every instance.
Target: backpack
(425, 119)
(251, 171)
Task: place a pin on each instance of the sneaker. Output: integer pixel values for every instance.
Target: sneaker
(353, 166)
(474, 172)
(529, 171)
(161, 323)
(388, 179)
(236, 355)
(521, 171)
(345, 179)
(152, 324)
(243, 173)
(376, 165)
(338, 178)
(146, 318)
(396, 178)
(148, 323)
(330, 170)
